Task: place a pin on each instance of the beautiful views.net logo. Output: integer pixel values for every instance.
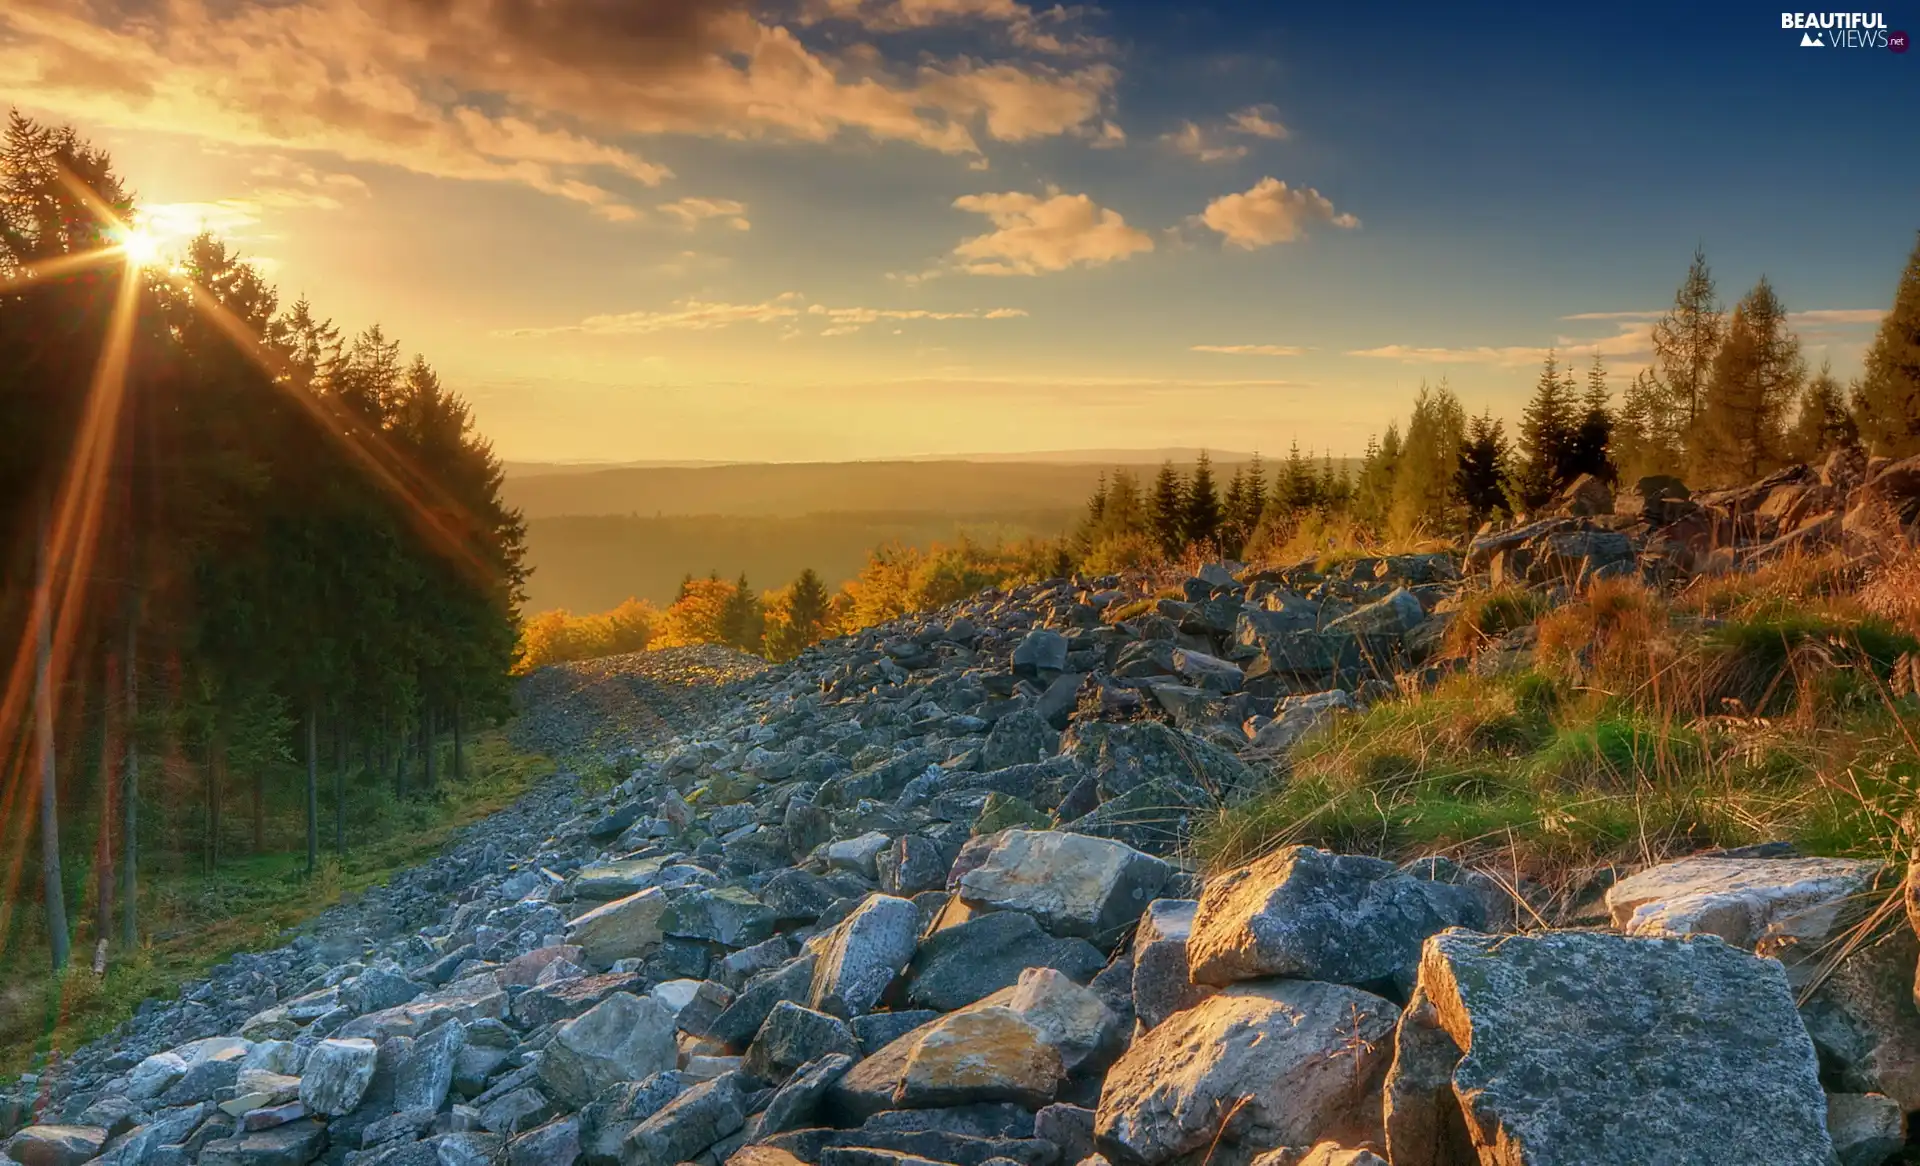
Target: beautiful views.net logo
(1844, 30)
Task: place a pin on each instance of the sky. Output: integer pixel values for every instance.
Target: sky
(837, 229)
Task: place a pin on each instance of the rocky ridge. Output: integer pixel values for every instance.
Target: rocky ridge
(923, 896)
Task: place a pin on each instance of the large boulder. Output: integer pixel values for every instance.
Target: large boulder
(1749, 902)
(1591, 1047)
(1162, 980)
(958, 965)
(1075, 885)
(859, 958)
(337, 1074)
(1261, 1065)
(1305, 913)
(56, 1145)
(623, 1038)
(1070, 1017)
(979, 1055)
(623, 929)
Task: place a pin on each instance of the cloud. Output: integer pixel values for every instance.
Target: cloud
(1837, 316)
(535, 94)
(1033, 235)
(1192, 141)
(691, 212)
(1632, 341)
(1260, 121)
(1271, 212)
(1250, 349)
(285, 186)
(1614, 316)
(1042, 31)
(790, 308)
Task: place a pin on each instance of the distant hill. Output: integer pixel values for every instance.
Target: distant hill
(593, 562)
(1070, 457)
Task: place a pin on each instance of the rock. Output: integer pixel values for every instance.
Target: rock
(560, 1000)
(1749, 902)
(1698, 1040)
(1324, 1154)
(1294, 1061)
(797, 1102)
(1069, 1017)
(468, 1148)
(623, 1038)
(985, 1054)
(1857, 1003)
(526, 970)
(293, 1144)
(1069, 1127)
(1298, 716)
(555, 1144)
(1866, 1128)
(1021, 737)
(688, 1124)
(1162, 982)
(1209, 673)
(863, 955)
(155, 1075)
(1075, 885)
(1042, 651)
(604, 882)
(377, 989)
(736, 1024)
(877, 1030)
(605, 1124)
(623, 929)
(958, 965)
(859, 855)
(1584, 497)
(56, 1145)
(269, 1117)
(911, 864)
(427, 1073)
(1305, 913)
(517, 1111)
(337, 1074)
(725, 915)
(1399, 613)
(793, 1036)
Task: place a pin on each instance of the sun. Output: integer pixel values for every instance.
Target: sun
(139, 246)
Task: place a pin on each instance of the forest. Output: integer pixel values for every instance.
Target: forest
(262, 589)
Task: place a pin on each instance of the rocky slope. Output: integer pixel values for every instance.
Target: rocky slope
(923, 896)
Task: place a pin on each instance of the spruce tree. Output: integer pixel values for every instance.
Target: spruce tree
(1480, 479)
(1233, 508)
(1822, 423)
(1169, 510)
(1423, 496)
(1201, 521)
(1740, 430)
(1298, 486)
(1546, 438)
(1886, 404)
(1256, 495)
(1685, 342)
(1591, 448)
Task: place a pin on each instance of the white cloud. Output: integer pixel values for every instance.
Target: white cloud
(1837, 316)
(1250, 349)
(1190, 140)
(1033, 235)
(1271, 212)
(789, 308)
(1260, 121)
(1632, 341)
(691, 212)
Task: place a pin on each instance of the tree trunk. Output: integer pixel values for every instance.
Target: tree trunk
(340, 787)
(43, 733)
(129, 798)
(459, 746)
(400, 764)
(216, 777)
(430, 746)
(259, 809)
(313, 785)
(103, 846)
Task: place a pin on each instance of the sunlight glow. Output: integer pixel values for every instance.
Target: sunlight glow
(140, 247)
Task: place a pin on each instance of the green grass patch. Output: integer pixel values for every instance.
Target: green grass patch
(192, 920)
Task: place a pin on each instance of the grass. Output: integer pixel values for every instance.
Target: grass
(191, 920)
(1647, 728)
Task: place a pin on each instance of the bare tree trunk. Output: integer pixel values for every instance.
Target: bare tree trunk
(400, 764)
(431, 746)
(459, 746)
(43, 732)
(216, 777)
(130, 796)
(313, 785)
(103, 846)
(340, 787)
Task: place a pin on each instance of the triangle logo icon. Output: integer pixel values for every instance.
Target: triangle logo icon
(1810, 40)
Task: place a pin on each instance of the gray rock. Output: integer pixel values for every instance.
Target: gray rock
(863, 955)
(1162, 984)
(1069, 1127)
(860, 855)
(427, 1073)
(1867, 1129)
(337, 1075)
(797, 896)
(468, 1148)
(517, 1110)
(623, 1038)
(202, 1081)
(876, 1030)
(689, 1123)
(1074, 885)
(1208, 673)
(1041, 651)
(724, 915)
(911, 864)
(293, 1144)
(1298, 1060)
(376, 989)
(623, 929)
(1698, 1040)
(154, 1076)
(605, 1124)
(1745, 901)
(56, 1145)
(979, 1054)
(1304, 913)
(958, 965)
(1395, 615)
(555, 1144)
(1021, 737)
(793, 1036)
(797, 1102)
(737, 1023)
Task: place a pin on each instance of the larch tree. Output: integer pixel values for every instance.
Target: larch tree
(1821, 422)
(1685, 342)
(1886, 404)
(1740, 430)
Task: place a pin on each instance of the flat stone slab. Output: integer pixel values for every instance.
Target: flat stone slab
(1745, 901)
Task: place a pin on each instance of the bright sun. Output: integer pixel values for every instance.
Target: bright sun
(141, 248)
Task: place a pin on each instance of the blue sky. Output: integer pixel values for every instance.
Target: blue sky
(861, 228)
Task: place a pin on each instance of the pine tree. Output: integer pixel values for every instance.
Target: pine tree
(1480, 479)
(1590, 450)
(1886, 405)
(1256, 496)
(1298, 488)
(1641, 444)
(1756, 375)
(1233, 507)
(1685, 342)
(1546, 438)
(1423, 482)
(1823, 423)
(1201, 521)
(1373, 493)
(741, 620)
(1333, 486)
(1168, 510)
(798, 616)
